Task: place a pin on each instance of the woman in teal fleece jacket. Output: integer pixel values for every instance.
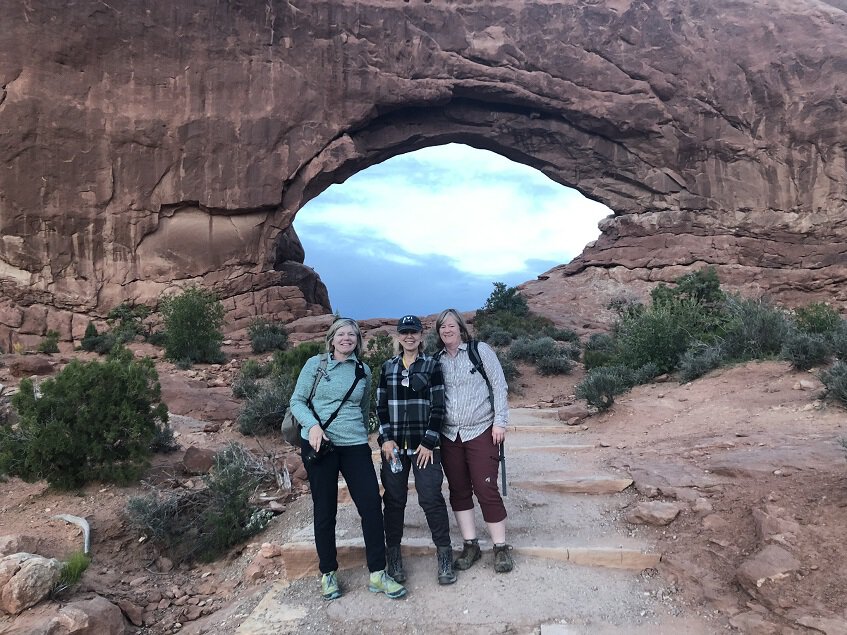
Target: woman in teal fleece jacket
(351, 456)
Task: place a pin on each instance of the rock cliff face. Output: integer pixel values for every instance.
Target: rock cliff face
(150, 145)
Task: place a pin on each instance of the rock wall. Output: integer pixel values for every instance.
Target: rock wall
(146, 146)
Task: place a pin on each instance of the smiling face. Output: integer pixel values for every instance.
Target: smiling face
(450, 333)
(410, 342)
(344, 342)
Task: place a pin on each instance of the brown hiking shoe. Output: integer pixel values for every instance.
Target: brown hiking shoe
(470, 554)
(503, 562)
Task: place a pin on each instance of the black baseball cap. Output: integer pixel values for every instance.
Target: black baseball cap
(409, 324)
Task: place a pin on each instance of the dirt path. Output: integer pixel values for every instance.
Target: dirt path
(547, 595)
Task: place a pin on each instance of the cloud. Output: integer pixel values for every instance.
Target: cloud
(471, 210)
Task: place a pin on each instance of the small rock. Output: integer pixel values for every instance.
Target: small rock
(653, 513)
(134, 613)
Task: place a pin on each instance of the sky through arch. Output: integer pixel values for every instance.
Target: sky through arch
(435, 228)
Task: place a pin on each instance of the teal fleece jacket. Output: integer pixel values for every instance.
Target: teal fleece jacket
(350, 427)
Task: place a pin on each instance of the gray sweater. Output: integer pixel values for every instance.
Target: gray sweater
(350, 426)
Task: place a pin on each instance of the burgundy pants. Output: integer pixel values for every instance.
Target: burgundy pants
(471, 468)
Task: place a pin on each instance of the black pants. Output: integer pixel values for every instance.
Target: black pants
(428, 485)
(355, 464)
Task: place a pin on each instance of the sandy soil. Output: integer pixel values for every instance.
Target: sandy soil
(745, 438)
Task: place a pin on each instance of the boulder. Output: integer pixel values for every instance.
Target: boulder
(769, 566)
(198, 460)
(653, 513)
(25, 580)
(96, 616)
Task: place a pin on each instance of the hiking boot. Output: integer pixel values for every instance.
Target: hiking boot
(381, 582)
(446, 575)
(394, 562)
(470, 554)
(503, 562)
(329, 586)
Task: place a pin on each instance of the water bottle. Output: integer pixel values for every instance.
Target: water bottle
(395, 463)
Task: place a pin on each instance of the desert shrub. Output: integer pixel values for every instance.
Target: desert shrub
(496, 337)
(378, 351)
(563, 335)
(817, 318)
(838, 341)
(291, 361)
(532, 349)
(193, 321)
(599, 350)
(430, 342)
(701, 287)
(164, 441)
(835, 380)
(805, 350)
(127, 321)
(265, 407)
(659, 334)
(602, 385)
(699, 359)
(202, 524)
(510, 371)
(244, 387)
(50, 343)
(756, 329)
(93, 421)
(157, 338)
(505, 300)
(554, 365)
(267, 335)
(645, 374)
(246, 384)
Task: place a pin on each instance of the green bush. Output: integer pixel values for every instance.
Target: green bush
(602, 385)
(554, 365)
(50, 343)
(835, 380)
(127, 321)
(510, 371)
(701, 287)
(267, 335)
(505, 300)
(645, 374)
(93, 421)
(756, 329)
(266, 405)
(805, 350)
(563, 335)
(699, 359)
(203, 524)
(659, 334)
(164, 441)
(193, 323)
(599, 350)
(378, 351)
(291, 362)
(532, 349)
(817, 318)
(496, 337)
(838, 341)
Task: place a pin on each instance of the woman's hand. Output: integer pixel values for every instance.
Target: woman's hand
(498, 434)
(424, 456)
(388, 449)
(316, 437)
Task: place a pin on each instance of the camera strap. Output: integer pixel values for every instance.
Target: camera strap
(360, 373)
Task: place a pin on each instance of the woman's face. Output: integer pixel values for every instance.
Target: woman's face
(410, 341)
(449, 332)
(344, 341)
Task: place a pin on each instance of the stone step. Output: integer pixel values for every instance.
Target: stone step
(551, 447)
(301, 559)
(575, 485)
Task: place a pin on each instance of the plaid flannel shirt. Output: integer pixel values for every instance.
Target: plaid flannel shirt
(411, 415)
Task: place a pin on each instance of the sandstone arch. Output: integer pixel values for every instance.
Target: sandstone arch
(130, 133)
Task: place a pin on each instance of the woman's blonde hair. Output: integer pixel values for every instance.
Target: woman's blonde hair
(339, 323)
(463, 327)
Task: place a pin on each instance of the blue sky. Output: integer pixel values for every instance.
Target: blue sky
(436, 228)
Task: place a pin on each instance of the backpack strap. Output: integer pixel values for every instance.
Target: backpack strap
(360, 374)
(321, 370)
(479, 367)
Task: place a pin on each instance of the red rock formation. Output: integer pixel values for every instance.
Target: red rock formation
(150, 145)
